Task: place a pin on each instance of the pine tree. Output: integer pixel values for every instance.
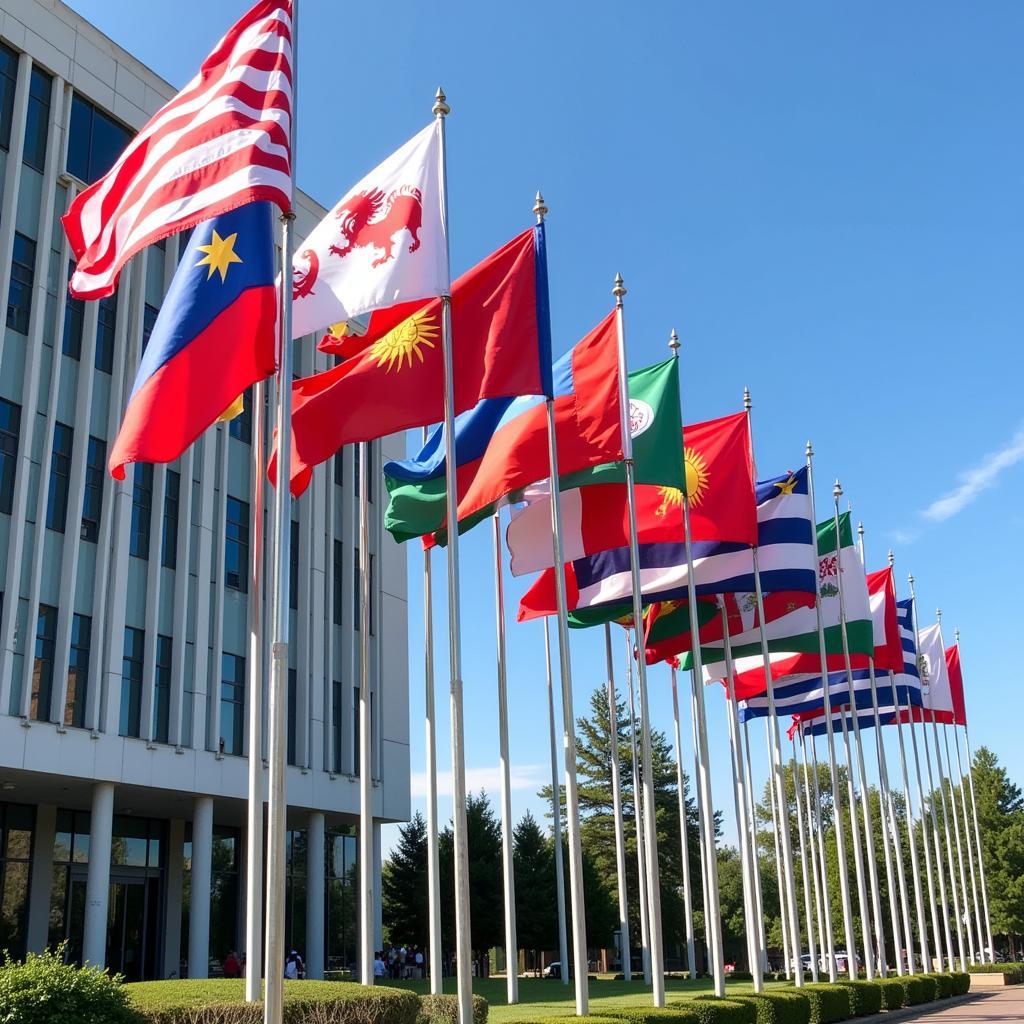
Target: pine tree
(404, 887)
(536, 907)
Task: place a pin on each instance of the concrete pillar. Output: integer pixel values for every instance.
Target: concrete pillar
(97, 885)
(175, 882)
(199, 899)
(316, 857)
(42, 878)
(378, 895)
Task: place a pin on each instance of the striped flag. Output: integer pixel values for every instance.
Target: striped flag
(221, 142)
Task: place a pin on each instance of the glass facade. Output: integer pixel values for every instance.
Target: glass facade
(17, 824)
(78, 671)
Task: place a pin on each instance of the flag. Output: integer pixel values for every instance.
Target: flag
(936, 692)
(214, 336)
(783, 525)
(813, 723)
(383, 243)
(956, 685)
(500, 347)
(223, 141)
(594, 512)
(501, 446)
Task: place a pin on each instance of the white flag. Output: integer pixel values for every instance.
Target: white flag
(931, 663)
(382, 244)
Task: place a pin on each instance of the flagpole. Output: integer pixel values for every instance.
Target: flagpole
(702, 827)
(970, 854)
(572, 806)
(756, 855)
(684, 838)
(625, 948)
(463, 951)
(800, 762)
(732, 718)
(788, 958)
(433, 852)
(931, 804)
(876, 903)
(366, 854)
(819, 828)
(638, 819)
(277, 711)
(556, 817)
(837, 796)
(890, 836)
(254, 809)
(507, 868)
(808, 909)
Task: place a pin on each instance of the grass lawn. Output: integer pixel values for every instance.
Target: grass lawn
(548, 997)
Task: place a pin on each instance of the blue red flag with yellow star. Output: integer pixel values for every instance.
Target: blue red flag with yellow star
(214, 336)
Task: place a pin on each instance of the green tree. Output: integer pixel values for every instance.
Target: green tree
(536, 908)
(404, 888)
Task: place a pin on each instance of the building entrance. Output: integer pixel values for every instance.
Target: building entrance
(133, 932)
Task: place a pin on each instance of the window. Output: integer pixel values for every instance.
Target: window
(149, 315)
(16, 833)
(95, 475)
(107, 321)
(232, 703)
(60, 472)
(336, 692)
(162, 689)
(236, 549)
(37, 121)
(23, 272)
(370, 608)
(240, 427)
(10, 428)
(74, 318)
(293, 568)
(339, 470)
(339, 581)
(78, 671)
(357, 451)
(169, 541)
(8, 83)
(42, 669)
(95, 141)
(131, 682)
(293, 699)
(142, 510)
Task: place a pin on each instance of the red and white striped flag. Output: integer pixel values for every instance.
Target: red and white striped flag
(221, 142)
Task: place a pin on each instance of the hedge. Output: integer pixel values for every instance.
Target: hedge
(943, 984)
(222, 1001)
(713, 1010)
(575, 1020)
(778, 1007)
(739, 976)
(865, 997)
(894, 995)
(829, 1003)
(961, 983)
(445, 1010)
(914, 991)
(1007, 968)
(674, 1014)
(930, 987)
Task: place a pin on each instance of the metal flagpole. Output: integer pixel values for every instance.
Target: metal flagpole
(620, 838)
(254, 810)
(556, 817)
(366, 857)
(975, 957)
(684, 839)
(702, 826)
(931, 808)
(748, 792)
(273, 1000)
(787, 951)
(819, 830)
(890, 836)
(650, 823)
(507, 868)
(572, 804)
(800, 761)
(638, 819)
(804, 870)
(433, 853)
(837, 793)
(876, 902)
(463, 951)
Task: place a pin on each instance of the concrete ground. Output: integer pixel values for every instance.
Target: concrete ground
(1001, 1005)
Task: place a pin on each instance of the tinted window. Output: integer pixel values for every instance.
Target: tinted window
(8, 81)
(142, 510)
(74, 317)
(78, 671)
(236, 548)
(10, 426)
(19, 295)
(105, 333)
(95, 474)
(37, 120)
(95, 142)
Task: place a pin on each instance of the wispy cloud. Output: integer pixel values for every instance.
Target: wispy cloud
(522, 777)
(977, 479)
(904, 536)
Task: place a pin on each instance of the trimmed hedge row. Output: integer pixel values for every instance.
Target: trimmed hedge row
(961, 983)
(894, 995)
(829, 1003)
(865, 997)
(1008, 968)
(776, 1006)
(713, 1010)
(445, 1010)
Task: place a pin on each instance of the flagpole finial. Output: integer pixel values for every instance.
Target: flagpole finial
(673, 342)
(440, 107)
(539, 208)
(809, 450)
(837, 491)
(619, 290)
(938, 616)
(910, 578)
(746, 400)
(892, 558)
(860, 529)
(956, 635)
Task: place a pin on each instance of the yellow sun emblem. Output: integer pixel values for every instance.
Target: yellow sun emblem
(696, 484)
(401, 343)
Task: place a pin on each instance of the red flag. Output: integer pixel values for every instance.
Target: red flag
(956, 685)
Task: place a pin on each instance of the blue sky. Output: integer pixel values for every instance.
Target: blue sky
(824, 200)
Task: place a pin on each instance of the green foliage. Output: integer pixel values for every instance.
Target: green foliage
(914, 991)
(45, 990)
(929, 987)
(961, 983)
(562, 1020)
(222, 1001)
(712, 1010)
(1014, 972)
(865, 997)
(779, 1007)
(943, 985)
(445, 1010)
(404, 886)
(894, 995)
(675, 1014)
(739, 976)
(829, 1003)
(534, 862)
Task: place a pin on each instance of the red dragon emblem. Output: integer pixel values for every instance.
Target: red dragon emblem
(303, 280)
(371, 219)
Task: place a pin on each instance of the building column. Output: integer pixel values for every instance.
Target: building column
(316, 858)
(378, 895)
(42, 878)
(199, 898)
(175, 886)
(97, 885)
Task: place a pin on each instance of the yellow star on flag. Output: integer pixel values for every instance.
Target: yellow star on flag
(220, 254)
(786, 486)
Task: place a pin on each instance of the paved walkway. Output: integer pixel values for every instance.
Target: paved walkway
(1001, 1005)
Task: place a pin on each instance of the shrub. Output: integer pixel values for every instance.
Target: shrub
(894, 995)
(961, 983)
(564, 1020)
(445, 1010)
(829, 1003)
(943, 985)
(778, 1007)
(929, 987)
(865, 997)
(914, 992)
(675, 1014)
(222, 1001)
(1008, 968)
(713, 1010)
(739, 976)
(43, 990)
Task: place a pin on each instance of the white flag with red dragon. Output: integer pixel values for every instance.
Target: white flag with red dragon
(382, 244)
